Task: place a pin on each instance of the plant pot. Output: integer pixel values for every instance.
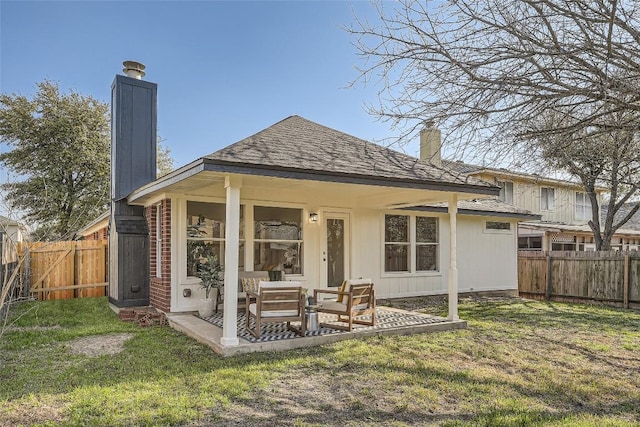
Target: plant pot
(207, 305)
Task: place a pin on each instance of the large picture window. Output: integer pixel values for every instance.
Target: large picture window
(205, 234)
(401, 241)
(278, 243)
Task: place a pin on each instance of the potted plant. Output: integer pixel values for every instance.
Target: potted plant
(209, 271)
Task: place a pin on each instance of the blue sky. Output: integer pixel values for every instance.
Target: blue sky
(225, 70)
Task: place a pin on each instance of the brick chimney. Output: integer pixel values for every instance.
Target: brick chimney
(133, 164)
(430, 142)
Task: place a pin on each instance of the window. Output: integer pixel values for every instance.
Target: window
(583, 206)
(278, 243)
(426, 243)
(547, 199)
(396, 243)
(205, 234)
(506, 191)
(158, 240)
(401, 241)
(495, 225)
(531, 243)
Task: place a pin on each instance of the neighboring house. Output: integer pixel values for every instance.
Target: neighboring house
(564, 207)
(11, 233)
(319, 204)
(98, 229)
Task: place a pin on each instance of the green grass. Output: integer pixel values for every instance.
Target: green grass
(520, 363)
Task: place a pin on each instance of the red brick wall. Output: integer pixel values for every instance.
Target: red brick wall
(160, 287)
(98, 235)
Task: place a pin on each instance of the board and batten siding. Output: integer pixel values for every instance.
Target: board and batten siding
(486, 261)
(526, 195)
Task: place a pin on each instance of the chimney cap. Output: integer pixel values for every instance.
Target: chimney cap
(429, 124)
(134, 69)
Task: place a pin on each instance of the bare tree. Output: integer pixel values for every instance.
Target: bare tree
(486, 69)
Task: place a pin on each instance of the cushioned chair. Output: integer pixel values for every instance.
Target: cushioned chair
(276, 302)
(355, 299)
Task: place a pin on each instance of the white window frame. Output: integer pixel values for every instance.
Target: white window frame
(187, 239)
(498, 230)
(584, 204)
(159, 240)
(506, 191)
(407, 244)
(412, 245)
(544, 198)
(256, 241)
(413, 236)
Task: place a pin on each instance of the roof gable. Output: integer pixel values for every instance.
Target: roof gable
(298, 143)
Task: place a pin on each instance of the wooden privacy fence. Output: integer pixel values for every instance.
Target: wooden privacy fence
(64, 270)
(607, 277)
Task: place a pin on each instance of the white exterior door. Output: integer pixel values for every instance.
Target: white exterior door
(336, 249)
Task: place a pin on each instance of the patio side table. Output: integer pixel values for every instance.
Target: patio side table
(311, 315)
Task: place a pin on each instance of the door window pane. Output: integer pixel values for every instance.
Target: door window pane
(335, 252)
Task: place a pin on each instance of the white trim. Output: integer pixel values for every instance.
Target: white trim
(453, 257)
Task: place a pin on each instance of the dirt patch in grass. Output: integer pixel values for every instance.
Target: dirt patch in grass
(21, 413)
(98, 345)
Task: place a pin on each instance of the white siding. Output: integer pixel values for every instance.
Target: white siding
(486, 261)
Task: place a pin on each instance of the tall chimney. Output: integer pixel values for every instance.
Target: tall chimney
(430, 142)
(133, 164)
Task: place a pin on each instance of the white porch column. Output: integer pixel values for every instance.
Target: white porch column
(453, 258)
(232, 246)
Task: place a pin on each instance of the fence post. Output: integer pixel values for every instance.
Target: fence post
(547, 294)
(625, 291)
(27, 271)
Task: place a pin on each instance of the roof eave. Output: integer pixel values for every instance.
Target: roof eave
(215, 165)
(442, 209)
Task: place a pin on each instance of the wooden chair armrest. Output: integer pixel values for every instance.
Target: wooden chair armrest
(252, 294)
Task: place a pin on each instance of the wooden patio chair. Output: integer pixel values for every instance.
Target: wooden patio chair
(276, 302)
(356, 299)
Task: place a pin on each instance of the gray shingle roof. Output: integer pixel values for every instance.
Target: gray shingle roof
(632, 224)
(489, 206)
(298, 143)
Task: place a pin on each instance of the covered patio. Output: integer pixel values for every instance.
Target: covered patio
(390, 321)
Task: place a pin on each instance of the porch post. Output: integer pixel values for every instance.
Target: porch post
(453, 258)
(232, 246)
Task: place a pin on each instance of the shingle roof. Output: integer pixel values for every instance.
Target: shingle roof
(298, 143)
(488, 206)
(632, 224)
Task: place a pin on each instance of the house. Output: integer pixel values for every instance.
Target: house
(98, 229)
(564, 208)
(314, 202)
(11, 233)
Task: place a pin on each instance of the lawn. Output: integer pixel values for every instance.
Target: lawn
(520, 363)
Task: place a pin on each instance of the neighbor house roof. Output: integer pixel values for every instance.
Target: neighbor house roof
(566, 228)
(100, 222)
(298, 148)
(632, 224)
(466, 169)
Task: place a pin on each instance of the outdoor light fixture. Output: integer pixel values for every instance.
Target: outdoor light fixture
(313, 217)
